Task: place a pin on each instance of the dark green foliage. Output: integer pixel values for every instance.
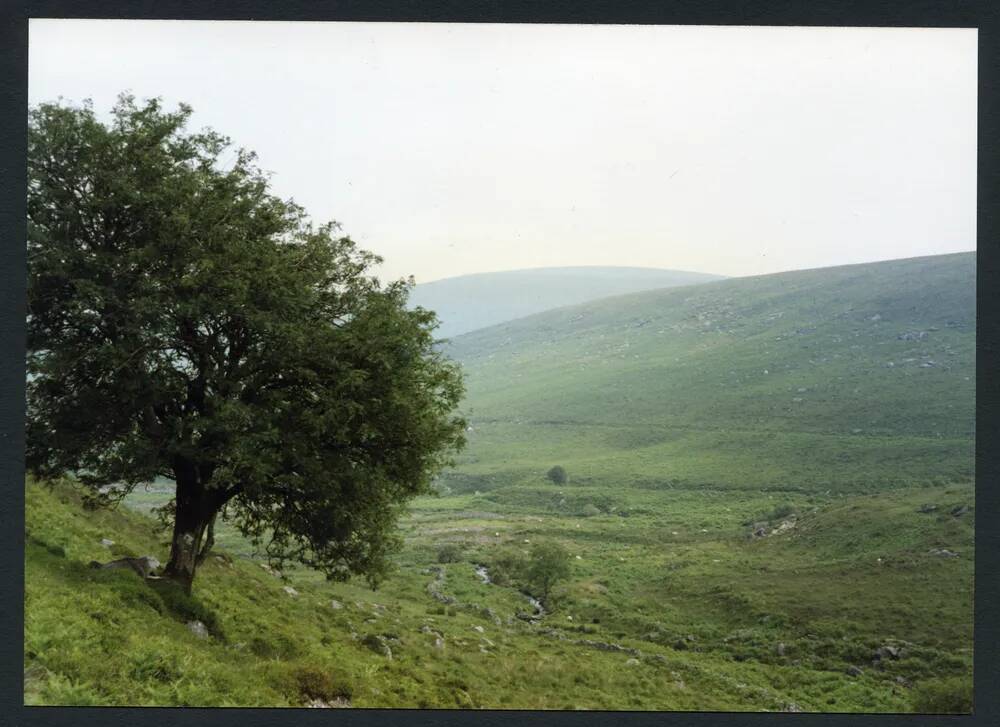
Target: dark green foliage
(449, 553)
(944, 696)
(590, 510)
(314, 683)
(547, 565)
(186, 324)
(507, 567)
(557, 475)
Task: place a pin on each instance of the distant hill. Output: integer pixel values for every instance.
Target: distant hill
(848, 376)
(468, 302)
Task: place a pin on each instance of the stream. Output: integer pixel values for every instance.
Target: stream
(484, 576)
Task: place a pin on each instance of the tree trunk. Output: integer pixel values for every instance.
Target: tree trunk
(188, 531)
(195, 509)
(206, 547)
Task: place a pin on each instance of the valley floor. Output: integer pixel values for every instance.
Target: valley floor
(846, 603)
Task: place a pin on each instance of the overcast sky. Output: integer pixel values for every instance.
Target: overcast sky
(452, 149)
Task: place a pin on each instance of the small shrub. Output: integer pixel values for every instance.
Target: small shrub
(590, 510)
(944, 696)
(780, 512)
(557, 475)
(314, 683)
(274, 646)
(507, 568)
(449, 553)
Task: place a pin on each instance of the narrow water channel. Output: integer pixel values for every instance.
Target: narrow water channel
(484, 576)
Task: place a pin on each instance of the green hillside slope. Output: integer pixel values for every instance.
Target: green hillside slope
(468, 302)
(761, 514)
(847, 377)
(671, 608)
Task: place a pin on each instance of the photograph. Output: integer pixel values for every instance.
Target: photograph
(500, 366)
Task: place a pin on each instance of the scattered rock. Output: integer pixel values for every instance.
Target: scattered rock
(959, 510)
(335, 604)
(791, 707)
(336, 703)
(34, 673)
(198, 629)
(377, 644)
(438, 643)
(290, 591)
(943, 553)
(783, 527)
(927, 508)
(885, 653)
(143, 566)
(903, 682)
(779, 649)
(478, 629)
(632, 662)
(269, 569)
(855, 671)
(107, 543)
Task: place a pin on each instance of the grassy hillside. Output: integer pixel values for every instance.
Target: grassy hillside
(761, 514)
(669, 605)
(468, 302)
(841, 378)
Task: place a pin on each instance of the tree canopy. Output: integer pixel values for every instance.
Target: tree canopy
(184, 322)
(548, 564)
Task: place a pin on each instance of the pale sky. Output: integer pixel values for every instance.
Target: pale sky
(459, 148)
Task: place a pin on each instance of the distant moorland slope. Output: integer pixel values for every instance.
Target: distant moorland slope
(468, 302)
(846, 377)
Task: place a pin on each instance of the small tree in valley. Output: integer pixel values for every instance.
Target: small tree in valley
(548, 564)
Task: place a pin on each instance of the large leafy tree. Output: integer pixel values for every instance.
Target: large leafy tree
(185, 323)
